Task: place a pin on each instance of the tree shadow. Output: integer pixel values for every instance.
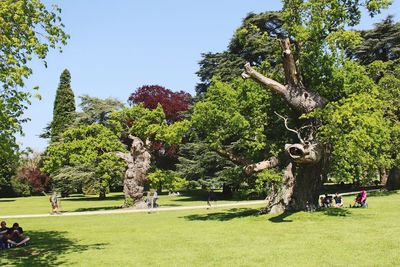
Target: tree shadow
(224, 216)
(46, 248)
(7, 200)
(336, 212)
(82, 198)
(99, 208)
(281, 218)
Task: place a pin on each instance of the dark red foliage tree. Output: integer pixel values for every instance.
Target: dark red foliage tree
(173, 103)
(38, 181)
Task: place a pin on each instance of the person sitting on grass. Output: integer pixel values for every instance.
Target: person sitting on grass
(338, 200)
(15, 236)
(361, 199)
(3, 238)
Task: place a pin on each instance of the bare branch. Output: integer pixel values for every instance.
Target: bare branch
(265, 164)
(289, 64)
(273, 85)
(290, 129)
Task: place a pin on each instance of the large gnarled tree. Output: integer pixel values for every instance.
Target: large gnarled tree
(317, 86)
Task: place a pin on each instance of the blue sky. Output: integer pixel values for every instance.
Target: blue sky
(118, 46)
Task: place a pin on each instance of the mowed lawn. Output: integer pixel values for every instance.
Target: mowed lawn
(41, 204)
(217, 237)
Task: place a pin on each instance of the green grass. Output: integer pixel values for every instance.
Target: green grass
(41, 204)
(217, 237)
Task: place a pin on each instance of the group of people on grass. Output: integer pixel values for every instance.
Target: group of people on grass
(13, 236)
(337, 201)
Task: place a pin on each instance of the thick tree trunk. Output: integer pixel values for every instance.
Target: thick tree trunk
(300, 188)
(393, 181)
(306, 171)
(138, 163)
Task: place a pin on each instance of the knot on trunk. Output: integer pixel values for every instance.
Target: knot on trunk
(304, 153)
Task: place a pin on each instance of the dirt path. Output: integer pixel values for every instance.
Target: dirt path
(120, 211)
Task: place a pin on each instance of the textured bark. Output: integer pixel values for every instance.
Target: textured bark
(299, 189)
(306, 172)
(138, 163)
(294, 92)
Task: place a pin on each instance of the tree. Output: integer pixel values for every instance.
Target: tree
(140, 128)
(29, 172)
(317, 81)
(64, 107)
(174, 104)
(254, 41)
(28, 29)
(88, 149)
(380, 43)
(96, 110)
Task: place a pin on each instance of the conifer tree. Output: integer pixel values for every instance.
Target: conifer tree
(64, 107)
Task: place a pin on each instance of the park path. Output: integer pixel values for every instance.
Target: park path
(130, 210)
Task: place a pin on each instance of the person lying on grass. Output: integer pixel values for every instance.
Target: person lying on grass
(15, 236)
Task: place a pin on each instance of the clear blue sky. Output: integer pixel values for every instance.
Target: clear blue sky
(118, 46)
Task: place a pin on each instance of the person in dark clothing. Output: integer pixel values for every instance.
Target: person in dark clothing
(338, 200)
(3, 235)
(16, 237)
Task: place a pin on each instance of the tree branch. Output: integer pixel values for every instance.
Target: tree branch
(289, 64)
(262, 165)
(289, 129)
(273, 85)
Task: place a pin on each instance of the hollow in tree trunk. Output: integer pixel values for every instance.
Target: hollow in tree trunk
(306, 171)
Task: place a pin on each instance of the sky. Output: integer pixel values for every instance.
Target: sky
(118, 46)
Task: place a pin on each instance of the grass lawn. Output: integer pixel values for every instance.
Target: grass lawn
(41, 204)
(217, 237)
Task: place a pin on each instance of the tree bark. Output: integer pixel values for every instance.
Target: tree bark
(306, 171)
(393, 181)
(138, 164)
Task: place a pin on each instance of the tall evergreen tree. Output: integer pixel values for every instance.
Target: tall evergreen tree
(64, 107)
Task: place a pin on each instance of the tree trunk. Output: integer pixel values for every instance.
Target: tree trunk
(102, 194)
(306, 171)
(138, 163)
(384, 175)
(393, 181)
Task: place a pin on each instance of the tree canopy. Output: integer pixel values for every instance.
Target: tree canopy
(28, 29)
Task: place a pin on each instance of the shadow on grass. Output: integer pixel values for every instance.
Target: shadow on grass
(7, 200)
(46, 248)
(281, 218)
(98, 208)
(224, 216)
(83, 198)
(336, 212)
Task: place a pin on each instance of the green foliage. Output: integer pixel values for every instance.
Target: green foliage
(235, 117)
(254, 41)
(64, 107)
(148, 123)
(28, 29)
(202, 166)
(89, 146)
(96, 110)
(380, 43)
(359, 134)
(20, 187)
(166, 179)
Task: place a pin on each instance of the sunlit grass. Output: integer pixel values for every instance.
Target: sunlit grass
(41, 204)
(217, 237)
